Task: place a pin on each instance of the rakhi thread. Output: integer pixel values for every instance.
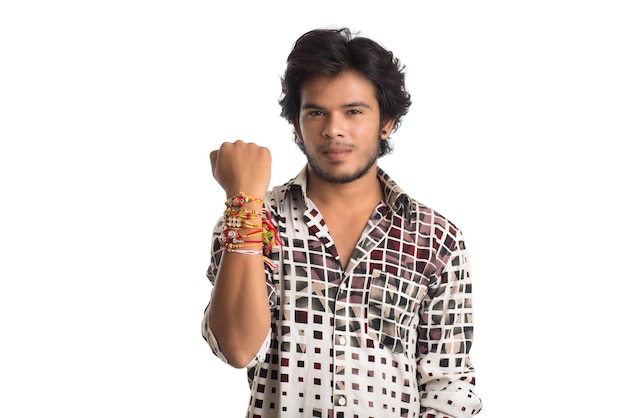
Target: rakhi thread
(237, 218)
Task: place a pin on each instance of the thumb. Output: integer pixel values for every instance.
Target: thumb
(213, 158)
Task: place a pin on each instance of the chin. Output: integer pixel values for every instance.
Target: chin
(339, 176)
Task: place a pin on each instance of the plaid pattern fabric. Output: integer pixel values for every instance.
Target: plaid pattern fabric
(389, 336)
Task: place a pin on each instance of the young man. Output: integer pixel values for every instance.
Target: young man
(342, 295)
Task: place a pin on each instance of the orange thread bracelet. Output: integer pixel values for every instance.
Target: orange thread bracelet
(241, 199)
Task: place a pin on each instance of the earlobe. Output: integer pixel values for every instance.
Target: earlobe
(386, 129)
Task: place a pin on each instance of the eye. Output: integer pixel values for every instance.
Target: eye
(354, 112)
(314, 113)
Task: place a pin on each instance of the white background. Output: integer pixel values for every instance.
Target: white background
(108, 111)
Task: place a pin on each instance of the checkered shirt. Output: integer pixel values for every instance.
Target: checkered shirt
(388, 336)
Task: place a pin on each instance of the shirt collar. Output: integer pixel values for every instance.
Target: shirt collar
(396, 199)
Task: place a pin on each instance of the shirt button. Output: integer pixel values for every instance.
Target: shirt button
(342, 340)
(342, 401)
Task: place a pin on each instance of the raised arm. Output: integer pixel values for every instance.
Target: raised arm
(238, 313)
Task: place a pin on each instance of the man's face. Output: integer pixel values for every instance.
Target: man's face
(339, 126)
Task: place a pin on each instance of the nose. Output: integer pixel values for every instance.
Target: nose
(333, 127)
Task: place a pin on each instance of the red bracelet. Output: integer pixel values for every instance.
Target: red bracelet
(241, 199)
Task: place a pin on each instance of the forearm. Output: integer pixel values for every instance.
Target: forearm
(239, 313)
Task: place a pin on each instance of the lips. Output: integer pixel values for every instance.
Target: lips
(336, 153)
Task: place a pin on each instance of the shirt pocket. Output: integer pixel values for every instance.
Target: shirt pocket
(392, 306)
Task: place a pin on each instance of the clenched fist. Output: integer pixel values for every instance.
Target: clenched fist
(242, 167)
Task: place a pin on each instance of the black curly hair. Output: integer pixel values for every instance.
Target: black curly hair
(330, 52)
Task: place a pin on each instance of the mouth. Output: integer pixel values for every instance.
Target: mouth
(336, 153)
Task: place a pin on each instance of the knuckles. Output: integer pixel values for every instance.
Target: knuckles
(239, 147)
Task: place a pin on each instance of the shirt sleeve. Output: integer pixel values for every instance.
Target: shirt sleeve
(216, 255)
(445, 373)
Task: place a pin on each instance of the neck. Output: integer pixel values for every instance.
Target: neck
(363, 192)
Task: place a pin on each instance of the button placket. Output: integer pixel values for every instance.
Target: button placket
(340, 342)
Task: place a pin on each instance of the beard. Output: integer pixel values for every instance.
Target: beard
(343, 178)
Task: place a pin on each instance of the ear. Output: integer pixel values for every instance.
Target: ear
(296, 129)
(385, 130)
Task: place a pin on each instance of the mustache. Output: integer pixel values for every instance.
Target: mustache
(338, 144)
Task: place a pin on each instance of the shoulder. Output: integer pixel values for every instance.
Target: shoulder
(427, 221)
